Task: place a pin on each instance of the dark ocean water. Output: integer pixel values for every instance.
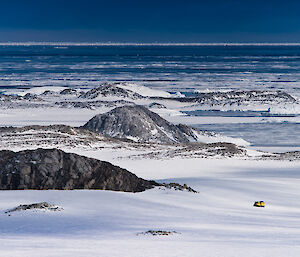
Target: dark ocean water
(173, 68)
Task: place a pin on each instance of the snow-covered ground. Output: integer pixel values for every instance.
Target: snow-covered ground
(214, 108)
(218, 221)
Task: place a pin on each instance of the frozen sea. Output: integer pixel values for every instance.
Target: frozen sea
(172, 68)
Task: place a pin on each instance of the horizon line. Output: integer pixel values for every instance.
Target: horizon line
(49, 43)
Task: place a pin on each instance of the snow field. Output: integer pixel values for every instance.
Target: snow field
(219, 221)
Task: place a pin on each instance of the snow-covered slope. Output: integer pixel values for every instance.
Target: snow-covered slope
(144, 91)
(196, 135)
(219, 221)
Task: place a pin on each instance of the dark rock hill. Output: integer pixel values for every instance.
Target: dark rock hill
(55, 169)
(238, 97)
(246, 96)
(141, 125)
(110, 89)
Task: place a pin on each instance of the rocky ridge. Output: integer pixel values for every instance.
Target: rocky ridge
(92, 104)
(239, 97)
(79, 139)
(56, 169)
(112, 90)
(119, 93)
(53, 136)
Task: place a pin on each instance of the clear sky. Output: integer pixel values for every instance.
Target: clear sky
(150, 21)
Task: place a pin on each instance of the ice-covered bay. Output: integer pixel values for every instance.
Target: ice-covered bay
(263, 135)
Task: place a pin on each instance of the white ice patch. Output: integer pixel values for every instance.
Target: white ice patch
(215, 138)
(144, 91)
(154, 131)
(167, 112)
(225, 139)
(135, 139)
(178, 95)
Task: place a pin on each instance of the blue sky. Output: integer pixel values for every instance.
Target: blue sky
(150, 21)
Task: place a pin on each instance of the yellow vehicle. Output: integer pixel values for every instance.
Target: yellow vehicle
(259, 204)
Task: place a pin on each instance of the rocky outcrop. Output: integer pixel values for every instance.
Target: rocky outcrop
(35, 206)
(68, 91)
(12, 101)
(136, 123)
(157, 105)
(239, 97)
(179, 187)
(92, 104)
(231, 98)
(55, 169)
(30, 96)
(110, 90)
(9, 98)
(49, 93)
(290, 156)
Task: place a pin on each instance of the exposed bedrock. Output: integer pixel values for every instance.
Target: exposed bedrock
(56, 169)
